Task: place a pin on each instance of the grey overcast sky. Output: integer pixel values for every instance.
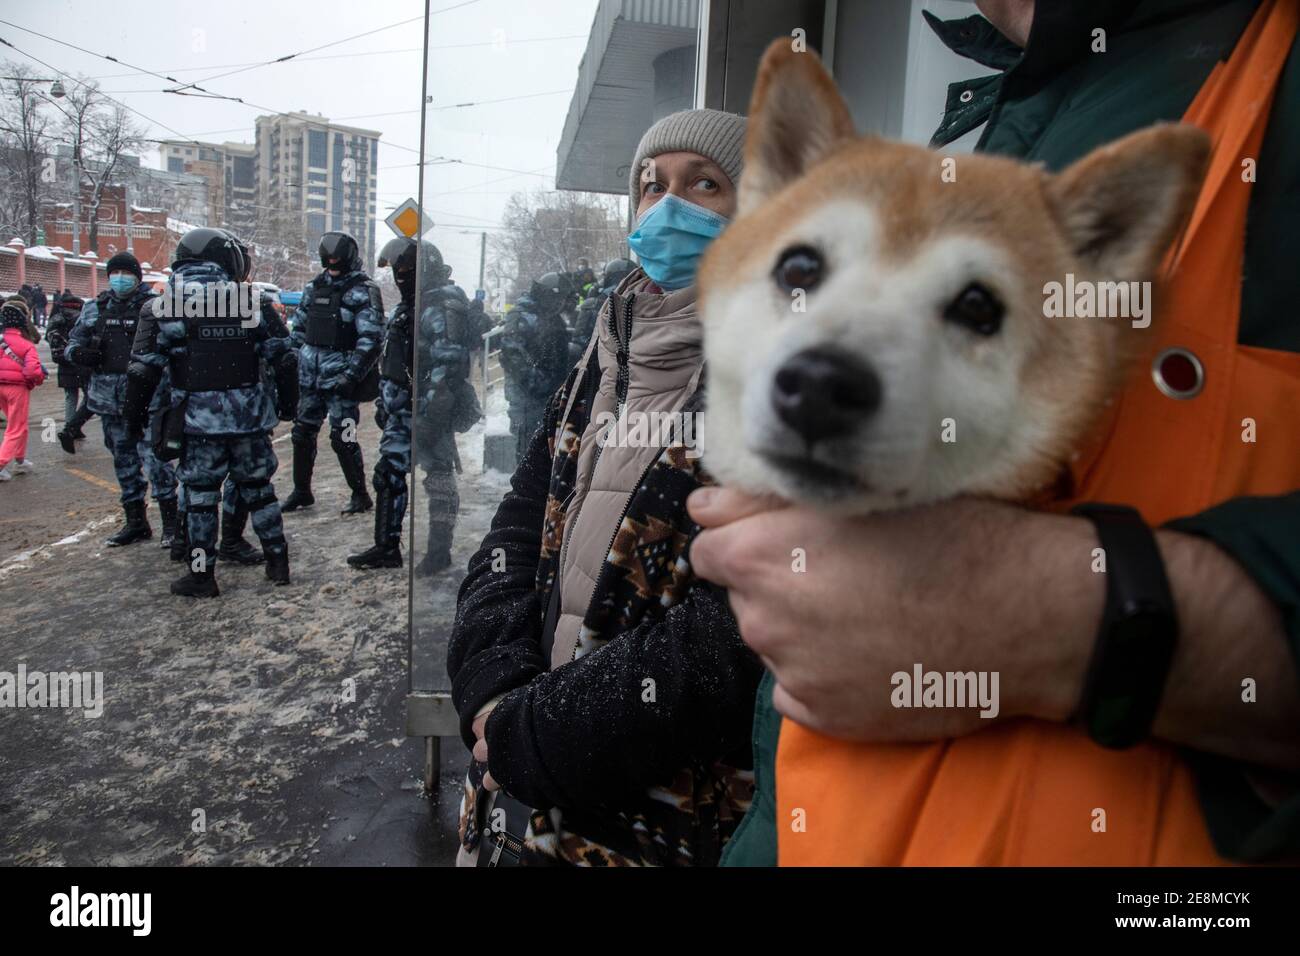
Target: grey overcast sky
(480, 50)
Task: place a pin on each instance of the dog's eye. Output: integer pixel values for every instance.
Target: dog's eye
(977, 309)
(799, 267)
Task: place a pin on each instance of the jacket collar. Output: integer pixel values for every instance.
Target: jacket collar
(666, 329)
(1061, 34)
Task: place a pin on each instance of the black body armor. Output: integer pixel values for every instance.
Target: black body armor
(115, 329)
(221, 355)
(325, 326)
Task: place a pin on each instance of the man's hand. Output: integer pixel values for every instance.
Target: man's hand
(481, 748)
(345, 385)
(836, 606)
(974, 585)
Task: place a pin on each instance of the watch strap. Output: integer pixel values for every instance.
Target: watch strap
(1138, 633)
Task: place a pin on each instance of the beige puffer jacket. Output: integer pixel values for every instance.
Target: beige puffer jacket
(663, 367)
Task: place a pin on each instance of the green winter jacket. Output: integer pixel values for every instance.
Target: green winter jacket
(1054, 102)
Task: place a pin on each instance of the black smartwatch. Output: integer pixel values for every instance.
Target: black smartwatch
(1139, 630)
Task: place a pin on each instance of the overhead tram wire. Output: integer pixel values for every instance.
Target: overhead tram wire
(202, 92)
(323, 46)
(504, 99)
(243, 102)
(81, 49)
(67, 76)
(344, 56)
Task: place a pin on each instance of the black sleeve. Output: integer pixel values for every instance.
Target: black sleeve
(496, 639)
(670, 693)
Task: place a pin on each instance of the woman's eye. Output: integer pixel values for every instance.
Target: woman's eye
(799, 267)
(708, 185)
(977, 309)
(653, 189)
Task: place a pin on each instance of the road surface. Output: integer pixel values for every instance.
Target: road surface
(263, 727)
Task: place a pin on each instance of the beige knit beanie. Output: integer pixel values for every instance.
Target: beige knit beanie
(713, 134)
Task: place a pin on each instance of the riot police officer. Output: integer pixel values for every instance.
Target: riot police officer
(438, 403)
(218, 401)
(337, 331)
(101, 341)
(615, 271)
(233, 546)
(535, 354)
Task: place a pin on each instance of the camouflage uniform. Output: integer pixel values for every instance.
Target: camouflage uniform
(234, 509)
(133, 456)
(446, 403)
(535, 359)
(327, 376)
(227, 431)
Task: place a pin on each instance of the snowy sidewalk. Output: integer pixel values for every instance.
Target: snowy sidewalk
(265, 726)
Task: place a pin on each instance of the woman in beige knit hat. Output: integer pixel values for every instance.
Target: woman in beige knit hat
(604, 690)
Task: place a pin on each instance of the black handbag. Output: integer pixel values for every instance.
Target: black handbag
(503, 827)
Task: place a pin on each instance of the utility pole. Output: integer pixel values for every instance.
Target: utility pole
(482, 257)
(126, 200)
(76, 200)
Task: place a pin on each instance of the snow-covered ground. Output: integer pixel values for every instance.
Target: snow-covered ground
(254, 714)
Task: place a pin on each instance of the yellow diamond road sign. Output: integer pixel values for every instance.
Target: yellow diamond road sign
(407, 220)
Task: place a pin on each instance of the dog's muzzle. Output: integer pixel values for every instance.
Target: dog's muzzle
(822, 395)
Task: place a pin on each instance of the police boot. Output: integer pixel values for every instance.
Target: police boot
(170, 525)
(444, 505)
(180, 540)
(354, 471)
(277, 562)
(304, 462)
(200, 584)
(437, 557)
(136, 527)
(387, 552)
(234, 546)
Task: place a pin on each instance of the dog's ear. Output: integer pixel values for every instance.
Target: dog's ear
(1124, 203)
(796, 116)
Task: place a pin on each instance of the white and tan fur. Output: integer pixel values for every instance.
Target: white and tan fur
(898, 243)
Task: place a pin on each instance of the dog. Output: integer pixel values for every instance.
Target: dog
(875, 321)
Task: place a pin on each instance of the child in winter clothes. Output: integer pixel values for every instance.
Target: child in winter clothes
(20, 372)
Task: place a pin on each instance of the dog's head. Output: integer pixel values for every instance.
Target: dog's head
(875, 323)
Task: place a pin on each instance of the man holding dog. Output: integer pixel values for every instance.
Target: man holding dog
(1206, 654)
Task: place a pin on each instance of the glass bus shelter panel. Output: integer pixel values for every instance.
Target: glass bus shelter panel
(532, 114)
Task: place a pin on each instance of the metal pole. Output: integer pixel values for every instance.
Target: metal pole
(482, 257)
(126, 199)
(76, 202)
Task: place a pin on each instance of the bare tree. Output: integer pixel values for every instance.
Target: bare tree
(26, 172)
(101, 133)
(279, 256)
(548, 231)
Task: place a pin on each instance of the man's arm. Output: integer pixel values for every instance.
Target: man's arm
(368, 314)
(977, 585)
(81, 350)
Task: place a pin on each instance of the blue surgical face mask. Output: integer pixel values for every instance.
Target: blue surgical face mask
(670, 238)
(123, 283)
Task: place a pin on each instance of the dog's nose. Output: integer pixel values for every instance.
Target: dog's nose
(823, 394)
